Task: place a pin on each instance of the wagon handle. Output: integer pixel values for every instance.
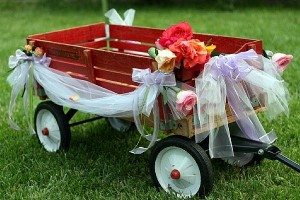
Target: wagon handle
(274, 153)
(265, 150)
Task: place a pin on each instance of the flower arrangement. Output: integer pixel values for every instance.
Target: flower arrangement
(31, 50)
(177, 42)
(177, 50)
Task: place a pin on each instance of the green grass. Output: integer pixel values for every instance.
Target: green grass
(98, 165)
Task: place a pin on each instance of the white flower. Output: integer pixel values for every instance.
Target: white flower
(165, 60)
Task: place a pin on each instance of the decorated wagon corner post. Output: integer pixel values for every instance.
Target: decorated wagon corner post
(206, 87)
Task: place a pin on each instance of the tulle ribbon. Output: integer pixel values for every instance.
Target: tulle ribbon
(154, 84)
(21, 79)
(61, 87)
(115, 18)
(224, 78)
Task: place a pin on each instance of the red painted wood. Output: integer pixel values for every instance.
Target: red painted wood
(69, 67)
(89, 65)
(94, 44)
(129, 46)
(119, 62)
(78, 76)
(117, 76)
(142, 34)
(63, 52)
(74, 35)
(118, 87)
(226, 44)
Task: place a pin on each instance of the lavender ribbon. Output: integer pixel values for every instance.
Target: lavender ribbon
(144, 76)
(152, 84)
(19, 80)
(221, 80)
(229, 66)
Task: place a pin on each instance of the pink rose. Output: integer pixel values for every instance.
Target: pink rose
(173, 34)
(39, 52)
(186, 100)
(282, 60)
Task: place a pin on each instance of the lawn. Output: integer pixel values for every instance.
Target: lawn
(98, 164)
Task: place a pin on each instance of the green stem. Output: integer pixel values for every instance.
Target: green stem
(31, 85)
(104, 10)
(175, 89)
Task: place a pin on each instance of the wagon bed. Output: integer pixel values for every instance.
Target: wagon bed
(82, 52)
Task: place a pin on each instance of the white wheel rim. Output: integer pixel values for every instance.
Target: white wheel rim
(175, 158)
(45, 119)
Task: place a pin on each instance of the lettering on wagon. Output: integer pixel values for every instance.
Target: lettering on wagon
(64, 53)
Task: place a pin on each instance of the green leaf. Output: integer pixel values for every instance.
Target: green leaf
(152, 52)
(164, 95)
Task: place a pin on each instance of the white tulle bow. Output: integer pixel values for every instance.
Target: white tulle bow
(90, 98)
(223, 81)
(21, 79)
(115, 18)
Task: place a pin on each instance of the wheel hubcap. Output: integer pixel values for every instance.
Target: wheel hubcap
(175, 174)
(45, 131)
(48, 130)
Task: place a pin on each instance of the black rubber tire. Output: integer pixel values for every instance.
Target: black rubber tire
(63, 124)
(195, 151)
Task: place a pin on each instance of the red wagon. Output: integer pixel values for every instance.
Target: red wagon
(176, 163)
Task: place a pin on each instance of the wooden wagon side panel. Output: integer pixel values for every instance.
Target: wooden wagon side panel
(65, 58)
(141, 34)
(113, 70)
(230, 45)
(225, 44)
(75, 35)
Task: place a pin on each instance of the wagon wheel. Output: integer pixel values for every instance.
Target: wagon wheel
(52, 127)
(243, 159)
(180, 166)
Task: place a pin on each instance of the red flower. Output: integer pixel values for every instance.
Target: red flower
(174, 33)
(191, 52)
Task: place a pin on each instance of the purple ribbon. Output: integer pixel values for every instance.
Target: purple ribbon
(20, 57)
(42, 60)
(234, 69)
(144, 76)
(229, 65)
